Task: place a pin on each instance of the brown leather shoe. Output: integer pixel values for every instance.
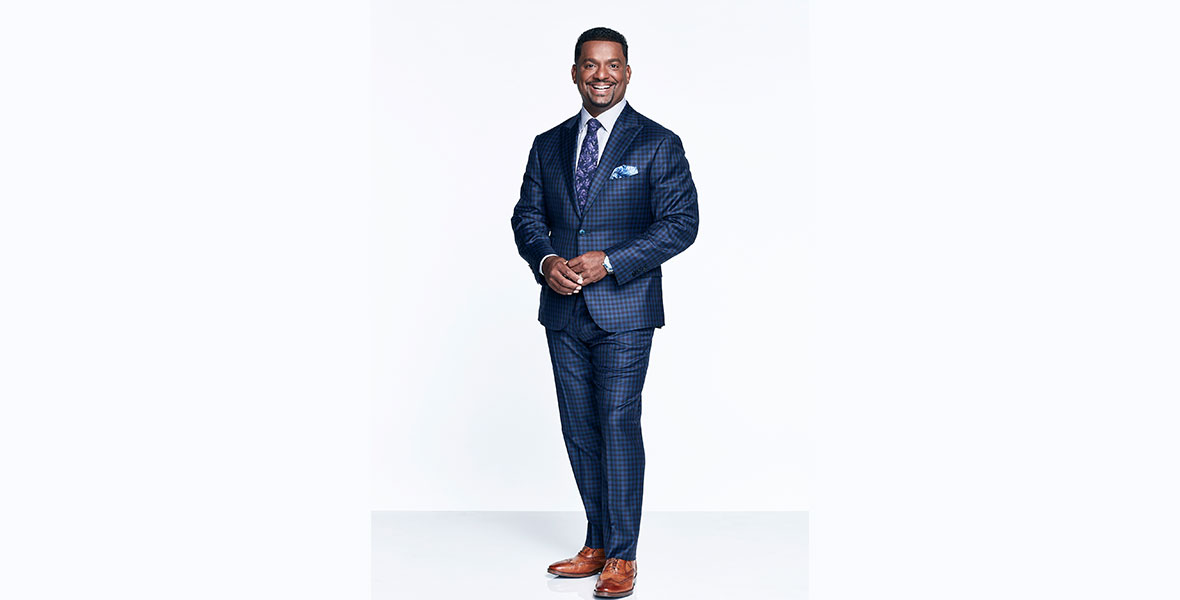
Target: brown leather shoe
(588, 562)
(617, 579)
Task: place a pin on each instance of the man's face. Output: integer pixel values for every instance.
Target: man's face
(602, 75)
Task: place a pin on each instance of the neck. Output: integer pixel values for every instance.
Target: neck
(595, 111)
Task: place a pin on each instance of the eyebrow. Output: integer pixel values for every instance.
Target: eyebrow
(618, 60)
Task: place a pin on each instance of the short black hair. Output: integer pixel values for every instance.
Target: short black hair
(599, 34)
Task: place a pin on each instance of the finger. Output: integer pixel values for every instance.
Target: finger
(570, 274)
(566, 283)
(562, 285)
(574, 273)
(575, 262)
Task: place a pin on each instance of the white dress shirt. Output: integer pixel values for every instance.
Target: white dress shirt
(607, 120)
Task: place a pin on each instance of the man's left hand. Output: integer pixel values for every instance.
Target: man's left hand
(589, 266)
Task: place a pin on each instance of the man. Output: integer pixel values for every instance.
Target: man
(607, 198)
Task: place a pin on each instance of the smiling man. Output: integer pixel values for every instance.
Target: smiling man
(607, 198)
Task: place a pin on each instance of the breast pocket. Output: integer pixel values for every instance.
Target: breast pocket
(635, 185)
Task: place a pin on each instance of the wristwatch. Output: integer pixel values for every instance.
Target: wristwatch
(606, 263)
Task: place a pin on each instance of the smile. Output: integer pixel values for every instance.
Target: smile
(602, 87)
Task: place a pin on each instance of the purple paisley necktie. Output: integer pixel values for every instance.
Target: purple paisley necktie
(587, 162)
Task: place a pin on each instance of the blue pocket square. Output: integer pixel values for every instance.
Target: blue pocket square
(623, 171)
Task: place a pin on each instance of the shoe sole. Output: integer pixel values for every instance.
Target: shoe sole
(571, 576)
(616, 595)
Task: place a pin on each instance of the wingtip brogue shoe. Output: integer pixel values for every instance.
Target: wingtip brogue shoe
(617, 579)
(588, 562)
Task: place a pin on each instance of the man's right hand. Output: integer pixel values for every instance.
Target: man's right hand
(560, 277)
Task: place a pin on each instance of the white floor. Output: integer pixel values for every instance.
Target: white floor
(682, 555)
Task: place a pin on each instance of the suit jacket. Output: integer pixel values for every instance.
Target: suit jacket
(640, 221)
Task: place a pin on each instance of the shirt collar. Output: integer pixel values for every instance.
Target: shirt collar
(607, 118)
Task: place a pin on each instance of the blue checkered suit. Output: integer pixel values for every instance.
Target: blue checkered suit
(600, 339)
(639, 221)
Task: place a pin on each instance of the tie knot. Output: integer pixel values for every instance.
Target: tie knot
(592, 125)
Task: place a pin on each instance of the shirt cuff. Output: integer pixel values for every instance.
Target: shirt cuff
(541, 265)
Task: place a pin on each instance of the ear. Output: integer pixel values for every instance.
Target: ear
(628, 74)
(574, 73)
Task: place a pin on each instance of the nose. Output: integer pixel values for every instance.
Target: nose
(601, 73)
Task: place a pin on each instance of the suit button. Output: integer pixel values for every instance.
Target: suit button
(581, 232)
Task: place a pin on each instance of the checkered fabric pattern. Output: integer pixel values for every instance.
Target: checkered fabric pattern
(599, 377)
(640, 221)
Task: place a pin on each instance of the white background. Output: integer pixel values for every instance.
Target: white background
(186, 320)
(465, 416)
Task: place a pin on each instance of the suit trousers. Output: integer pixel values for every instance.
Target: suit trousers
(599, 377)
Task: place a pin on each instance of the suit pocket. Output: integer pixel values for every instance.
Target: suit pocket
(624, 180)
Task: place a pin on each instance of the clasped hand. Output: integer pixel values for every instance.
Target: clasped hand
(567, 277)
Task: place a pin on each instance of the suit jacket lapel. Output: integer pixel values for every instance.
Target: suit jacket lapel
(620, 139)
(569, 139)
